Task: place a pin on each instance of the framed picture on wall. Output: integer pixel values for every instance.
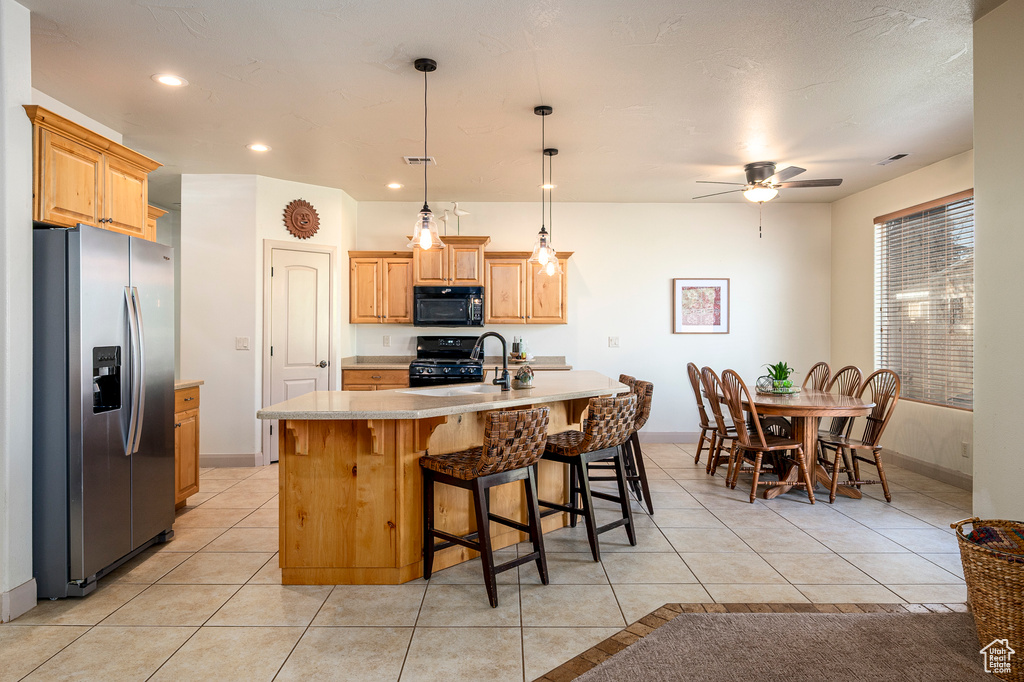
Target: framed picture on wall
(700, 306)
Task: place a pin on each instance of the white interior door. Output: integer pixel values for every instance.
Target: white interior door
(300, 325)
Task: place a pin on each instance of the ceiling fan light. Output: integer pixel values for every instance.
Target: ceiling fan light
(760, 194)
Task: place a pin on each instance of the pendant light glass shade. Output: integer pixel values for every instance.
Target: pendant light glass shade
(543, 251)
(424, 232)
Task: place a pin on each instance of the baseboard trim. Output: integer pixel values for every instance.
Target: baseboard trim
(18, 601)
(668, 437)
(244, 460)
(939, 473)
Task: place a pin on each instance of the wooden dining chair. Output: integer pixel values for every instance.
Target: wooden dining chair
(817, 377)
(845, 382)
(706, 426)
(752, 448)
(884, 386)
(724, 431)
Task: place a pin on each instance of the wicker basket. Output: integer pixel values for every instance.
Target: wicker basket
(995, 589)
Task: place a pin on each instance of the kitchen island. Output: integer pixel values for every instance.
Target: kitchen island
(350, 483)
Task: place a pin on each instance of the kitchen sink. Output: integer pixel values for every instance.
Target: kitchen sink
(453, 391)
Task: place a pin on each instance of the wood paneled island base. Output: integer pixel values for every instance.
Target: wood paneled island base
(350, 482)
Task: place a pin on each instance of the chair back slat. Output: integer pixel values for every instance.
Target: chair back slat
(513, 439)
(818, 376)
(712, 389)
(695, 383)
(884, 386)
(609, 422)
(845, 382)
(735, 394)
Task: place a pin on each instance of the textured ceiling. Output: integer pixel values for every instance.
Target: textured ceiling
(649, 96)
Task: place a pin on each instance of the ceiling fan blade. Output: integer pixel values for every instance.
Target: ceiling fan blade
(786, 174)
(713, 182)
(832, 182)
(730, 191)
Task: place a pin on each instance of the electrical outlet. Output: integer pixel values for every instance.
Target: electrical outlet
(965, 449)
(613, 342)
(241, 343)
(387, 341)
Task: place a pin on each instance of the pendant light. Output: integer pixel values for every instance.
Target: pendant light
(552, 267)
(543, 251)
(424, 233)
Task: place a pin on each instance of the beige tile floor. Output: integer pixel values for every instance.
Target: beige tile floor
(209, 604)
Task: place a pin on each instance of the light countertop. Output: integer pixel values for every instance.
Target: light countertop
(413, 403)
(539, 363)
(181, 383)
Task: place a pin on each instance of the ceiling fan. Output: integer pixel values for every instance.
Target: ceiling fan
(763, 183)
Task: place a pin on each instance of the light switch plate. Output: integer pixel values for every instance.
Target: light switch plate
(613, 342)
(241, 343)
(387, 341)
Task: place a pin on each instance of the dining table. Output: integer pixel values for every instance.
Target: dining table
(805, 409)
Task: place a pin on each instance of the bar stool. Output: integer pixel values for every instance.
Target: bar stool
(636, 472)
(513, 443)
(608, 425)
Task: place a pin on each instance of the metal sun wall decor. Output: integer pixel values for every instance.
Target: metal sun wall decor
(700, 306)
(301, 219)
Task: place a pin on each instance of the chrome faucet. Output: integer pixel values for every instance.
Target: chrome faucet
(505, 381)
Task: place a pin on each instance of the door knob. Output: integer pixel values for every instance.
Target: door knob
(323, 363)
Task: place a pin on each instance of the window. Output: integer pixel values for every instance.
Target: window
(924, 299)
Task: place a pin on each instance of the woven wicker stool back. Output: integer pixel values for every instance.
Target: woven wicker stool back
(513, 439)
(609, 422)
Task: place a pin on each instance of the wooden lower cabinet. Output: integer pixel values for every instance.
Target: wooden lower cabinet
(186, 444)
(373, 379)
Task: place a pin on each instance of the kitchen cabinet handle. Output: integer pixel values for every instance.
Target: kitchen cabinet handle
(178, 425)
(188, 399)
(375, 376)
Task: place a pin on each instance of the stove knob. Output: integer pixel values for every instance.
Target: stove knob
(447, 369)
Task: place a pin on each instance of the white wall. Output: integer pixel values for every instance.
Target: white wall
(620, 284)
(61, 109)
(999, 243)
(17, 591)
(924, 432)
(224, 222)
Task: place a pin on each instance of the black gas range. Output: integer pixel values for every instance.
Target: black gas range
(444, 360)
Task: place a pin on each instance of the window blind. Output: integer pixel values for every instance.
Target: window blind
(924, 301)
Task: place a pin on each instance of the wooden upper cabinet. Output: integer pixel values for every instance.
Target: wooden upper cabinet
(364, 290)
(396, 298)
(546, 295)
(505, 290)
(459, 263)
(82, 177)
(380, 287)
(125, 194)
(70, 193)
(517, 292)
(152, 214)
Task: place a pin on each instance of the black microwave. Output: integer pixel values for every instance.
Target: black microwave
(448, 306)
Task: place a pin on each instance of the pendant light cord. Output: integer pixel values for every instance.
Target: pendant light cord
(542, 140)
(551, 201)
(426, 159)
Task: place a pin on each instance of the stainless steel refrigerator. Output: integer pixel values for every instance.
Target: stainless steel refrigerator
(103, 403)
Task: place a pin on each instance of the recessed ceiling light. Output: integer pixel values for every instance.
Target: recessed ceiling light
(395, 185)
(169, 79)
(257, 147)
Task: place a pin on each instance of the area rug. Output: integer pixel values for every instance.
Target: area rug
(797, 647)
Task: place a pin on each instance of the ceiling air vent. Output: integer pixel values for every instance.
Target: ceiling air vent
(420, 160)
(894, 157)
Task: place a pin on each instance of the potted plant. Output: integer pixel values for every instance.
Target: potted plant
(780, 373)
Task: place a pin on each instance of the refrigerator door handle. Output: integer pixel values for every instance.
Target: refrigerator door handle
(129, 446)
(141, 345)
